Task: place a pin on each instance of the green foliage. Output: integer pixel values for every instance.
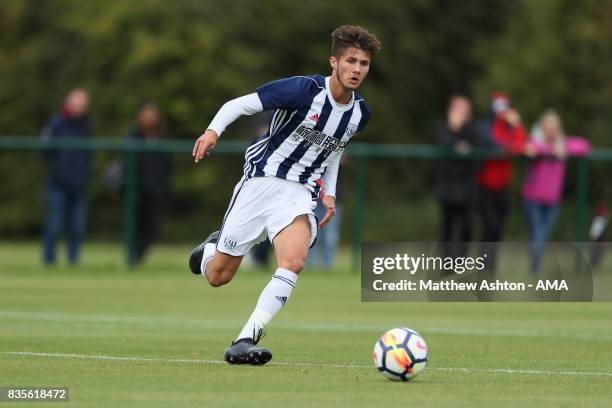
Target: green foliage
(556, 53)
(191, 56)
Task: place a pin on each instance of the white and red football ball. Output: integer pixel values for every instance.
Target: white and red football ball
(400, 354)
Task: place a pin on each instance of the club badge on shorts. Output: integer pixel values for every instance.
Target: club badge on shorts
(230, 242)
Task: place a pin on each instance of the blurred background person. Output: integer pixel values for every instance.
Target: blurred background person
(456, 186)
(504, 129)
(67, 175)
(154, 172)
(597, 233)
(543, 185)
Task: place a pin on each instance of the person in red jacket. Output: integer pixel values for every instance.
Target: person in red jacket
(505, 130)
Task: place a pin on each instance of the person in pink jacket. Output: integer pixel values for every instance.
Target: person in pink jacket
(543, 185)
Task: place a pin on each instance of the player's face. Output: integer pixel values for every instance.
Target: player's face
(351, 67)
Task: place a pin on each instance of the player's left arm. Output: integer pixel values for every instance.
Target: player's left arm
(330, 178)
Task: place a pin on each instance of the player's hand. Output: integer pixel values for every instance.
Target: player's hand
(330, 204)
(204, 144)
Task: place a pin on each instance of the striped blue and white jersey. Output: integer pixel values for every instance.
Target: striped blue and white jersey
(308, 130)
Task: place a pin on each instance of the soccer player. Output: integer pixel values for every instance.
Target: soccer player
(285, 172)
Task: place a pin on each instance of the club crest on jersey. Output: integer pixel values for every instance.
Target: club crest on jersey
(351, 129)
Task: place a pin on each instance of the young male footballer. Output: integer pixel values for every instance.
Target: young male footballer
(285, 172)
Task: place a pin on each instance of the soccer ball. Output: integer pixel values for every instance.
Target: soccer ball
(400, 354)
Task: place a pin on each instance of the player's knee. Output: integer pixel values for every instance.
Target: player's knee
(293, 264)
(217, 280)
(218, 276)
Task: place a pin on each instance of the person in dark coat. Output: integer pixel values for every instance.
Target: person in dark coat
(67, 176)
(154, 171)
(456, 185)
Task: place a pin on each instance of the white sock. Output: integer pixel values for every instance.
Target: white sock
(271, 300)
(209, 252)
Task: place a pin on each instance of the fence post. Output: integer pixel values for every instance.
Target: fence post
(581, 195)
(129, 206)
(358, 210)
(580, 211)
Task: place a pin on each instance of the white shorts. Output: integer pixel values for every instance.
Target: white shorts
(260, 207)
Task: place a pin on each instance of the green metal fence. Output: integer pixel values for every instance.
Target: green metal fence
(362, 151)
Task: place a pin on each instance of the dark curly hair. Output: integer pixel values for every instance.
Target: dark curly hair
(348, 36)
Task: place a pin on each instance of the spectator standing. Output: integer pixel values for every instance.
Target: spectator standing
(456, 186)
(67, 176)
(154, 170)
(543, 185)
(505, 130)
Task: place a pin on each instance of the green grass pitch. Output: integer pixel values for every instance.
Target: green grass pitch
(155, 336)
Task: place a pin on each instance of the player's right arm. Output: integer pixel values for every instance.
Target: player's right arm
(204, 144)
(287, 93)
(229, 112)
